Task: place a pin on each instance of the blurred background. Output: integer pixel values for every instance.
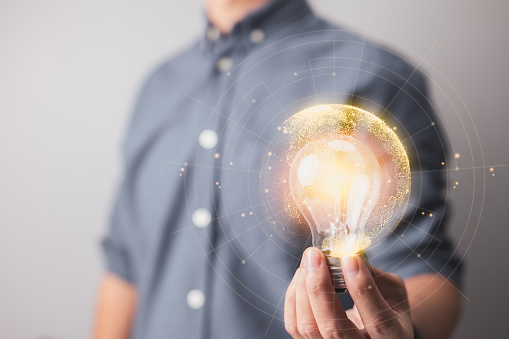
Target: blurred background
(69, 73)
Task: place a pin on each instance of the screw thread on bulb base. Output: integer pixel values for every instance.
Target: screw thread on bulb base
(335, 271)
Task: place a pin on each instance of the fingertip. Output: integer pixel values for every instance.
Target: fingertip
(350, 266)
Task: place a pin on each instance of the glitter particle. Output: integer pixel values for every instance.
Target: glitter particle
(216, 155)
(457, 155)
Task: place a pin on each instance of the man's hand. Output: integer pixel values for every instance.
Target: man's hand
(312, 309)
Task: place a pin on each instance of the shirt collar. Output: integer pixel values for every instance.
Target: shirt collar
(269, 18)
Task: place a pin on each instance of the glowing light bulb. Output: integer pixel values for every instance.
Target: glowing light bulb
(349, 176)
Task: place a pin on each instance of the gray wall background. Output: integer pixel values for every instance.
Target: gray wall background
(69, 71)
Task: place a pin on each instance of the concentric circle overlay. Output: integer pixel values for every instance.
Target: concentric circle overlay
(250, 115)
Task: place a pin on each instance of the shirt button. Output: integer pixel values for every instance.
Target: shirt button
(195, 299)
(224, 64)
(201, 217)
(213, 33)
(208, 139)
(257, 35)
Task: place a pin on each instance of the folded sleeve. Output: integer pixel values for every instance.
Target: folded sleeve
(117, 245)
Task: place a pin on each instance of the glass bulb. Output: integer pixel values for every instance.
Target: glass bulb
(348, 175)
(335, 182)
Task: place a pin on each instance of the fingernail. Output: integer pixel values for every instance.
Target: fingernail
(350, 266)
(314, 259)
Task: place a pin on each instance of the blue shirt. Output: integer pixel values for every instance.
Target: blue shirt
(189, 228)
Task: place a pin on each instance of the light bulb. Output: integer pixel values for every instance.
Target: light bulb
(335, 182)
(349, 175)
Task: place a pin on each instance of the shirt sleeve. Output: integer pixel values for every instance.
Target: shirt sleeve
(420, 243)
(117, 244)
(121, 244)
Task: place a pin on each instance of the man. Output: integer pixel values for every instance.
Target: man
(190, 253)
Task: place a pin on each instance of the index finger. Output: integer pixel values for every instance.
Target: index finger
(330, 316)
(374, 310)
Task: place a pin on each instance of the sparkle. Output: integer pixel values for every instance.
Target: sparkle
(185, 164)
(370, 287)
(243, 261)
(423, 213)
(431, 214)
(432, 124)
(456, 183)
(182, 169)
(250, 213)
(269, 154)
(316, 122)
(228, 74)
(418, 255)
(231, 163)
(334, 74)
(295, 74)
(266, 190)
(457, 155)
(253, 101)
(216, 155)
(443, 163)
(457, 168)
(243, 215)
(217, 182)
(491, 169)
(279, 128)
(395, 128)
(270, 167)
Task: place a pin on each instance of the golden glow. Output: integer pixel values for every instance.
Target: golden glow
(328, 166)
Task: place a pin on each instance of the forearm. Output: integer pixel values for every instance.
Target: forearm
(435, 305)
(115, 308)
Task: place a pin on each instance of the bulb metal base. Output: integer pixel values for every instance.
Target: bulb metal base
(335, 271)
